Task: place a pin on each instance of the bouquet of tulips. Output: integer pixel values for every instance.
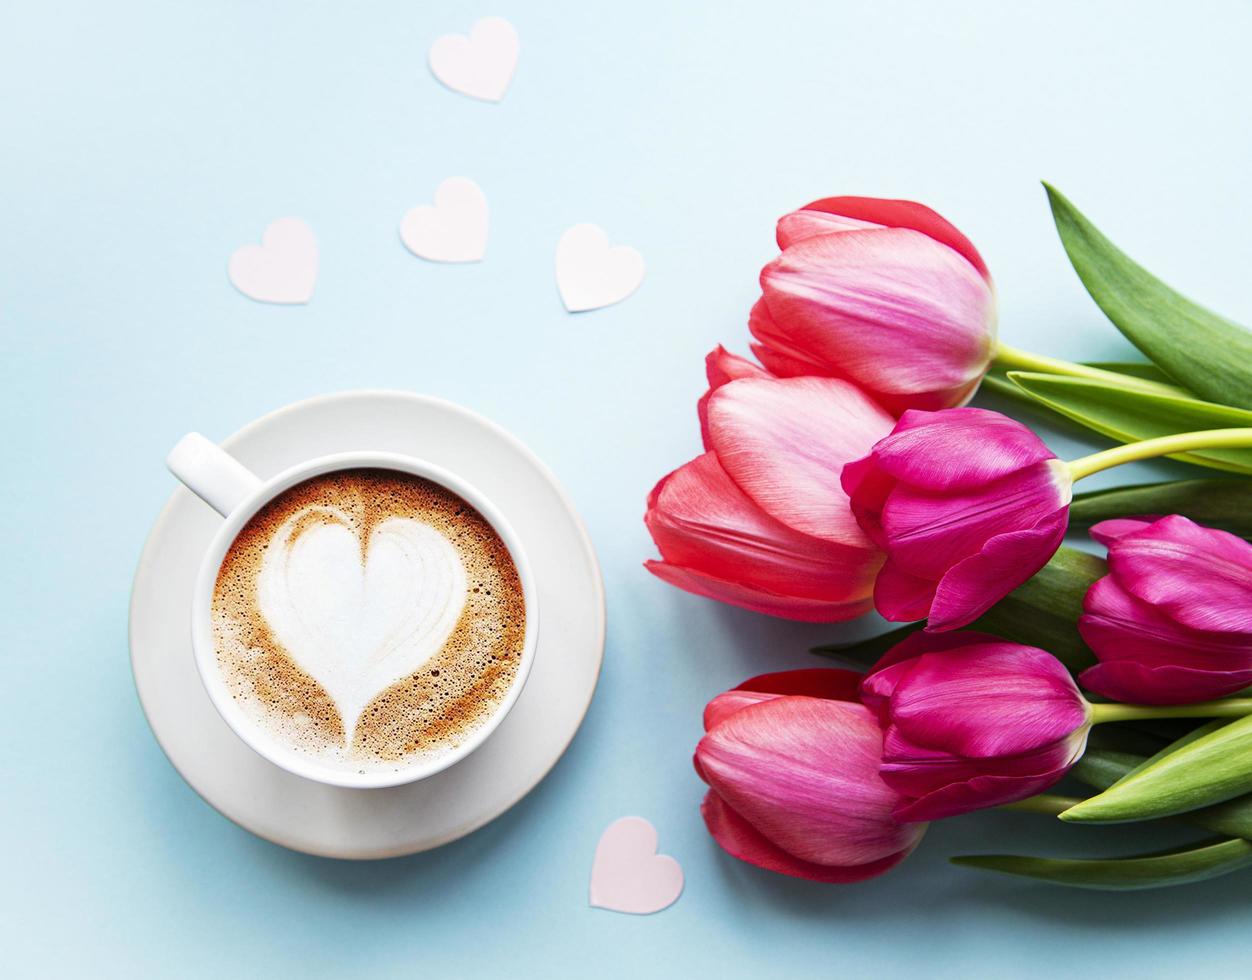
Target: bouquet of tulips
(842, 473)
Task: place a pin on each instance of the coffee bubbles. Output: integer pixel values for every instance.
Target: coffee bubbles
(368, 618)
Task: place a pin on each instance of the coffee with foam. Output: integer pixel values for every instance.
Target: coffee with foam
(368, 618)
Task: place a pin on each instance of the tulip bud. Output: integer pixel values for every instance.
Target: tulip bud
(760, 520)
(973, 721)
(792, 767)
(1172, 621)
(968, 504)
(886, 294)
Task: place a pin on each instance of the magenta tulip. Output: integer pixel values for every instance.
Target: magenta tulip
(760, 520)
(1172, 621)
(967, 503)
(973, 721)
(886, 294)
(792, 767)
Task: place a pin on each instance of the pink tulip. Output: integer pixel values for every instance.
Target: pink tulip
(792, 767)
(1172, 621)
(760, 520)
(967, 503)
(722, 367)
(886, 294)
(973, 721)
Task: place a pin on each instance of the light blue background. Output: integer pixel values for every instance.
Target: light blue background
(143, 142)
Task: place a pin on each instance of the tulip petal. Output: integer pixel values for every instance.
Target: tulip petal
(868, 488)
(784, 442)
(901, 597)
(815, 682)
(735, 594)
(916, 644)
(810, 222)
(1106, 532)
(903, 214)
(739, 839)
(833, 683)
(804, 773)
(781, 365)
(701, 520)
(977, 793)
(876, 689)
(916, 770)
(891, 309)
(985, 700)
(976, 584)
(721, 367)
(1119, 626)
(1126, 680)
(962, 448)
(726, 704)
(929, 532)
(1200, 576)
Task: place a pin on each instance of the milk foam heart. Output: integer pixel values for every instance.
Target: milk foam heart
(358, 616)
(368, 617)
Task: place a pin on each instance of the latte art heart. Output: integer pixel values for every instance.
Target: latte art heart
(366, 618)
(358, 616)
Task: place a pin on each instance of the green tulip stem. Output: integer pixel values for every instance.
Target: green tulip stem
(1015, 359)
(1224, 708)
(1048, 804)
(1182, 442)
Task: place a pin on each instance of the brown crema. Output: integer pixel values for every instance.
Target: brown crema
(424, 713)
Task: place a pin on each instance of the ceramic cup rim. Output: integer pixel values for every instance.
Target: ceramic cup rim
(270, 748)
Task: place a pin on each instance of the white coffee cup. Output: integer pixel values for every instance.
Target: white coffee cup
(237, 494)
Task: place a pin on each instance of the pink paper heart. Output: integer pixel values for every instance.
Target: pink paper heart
(629, 875)
(282, 269)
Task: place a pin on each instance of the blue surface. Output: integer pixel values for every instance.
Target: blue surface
(143, 142)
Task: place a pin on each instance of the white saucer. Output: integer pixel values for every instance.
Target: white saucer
(374, 823)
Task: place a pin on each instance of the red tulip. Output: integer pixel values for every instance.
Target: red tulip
(973, 721)
(760, 520)
(967, 503)
(886, 294)
(1172, 621)
(792, 767)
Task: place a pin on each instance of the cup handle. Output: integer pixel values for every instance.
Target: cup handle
(211, 473)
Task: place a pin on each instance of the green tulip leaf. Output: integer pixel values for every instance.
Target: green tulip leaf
(1133, 375)
(1143, 370)
(1177, 867)
(1101, 768)
(997, 382)
(1202, 351)
(1043, 613)
(1188, 775)
(1213, 502)
(1130, 416)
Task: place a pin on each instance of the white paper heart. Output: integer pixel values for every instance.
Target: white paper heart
(591, 274)
(454, 229)
(357, 619)
(480, 65)
(282, 269)
(628, 875)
